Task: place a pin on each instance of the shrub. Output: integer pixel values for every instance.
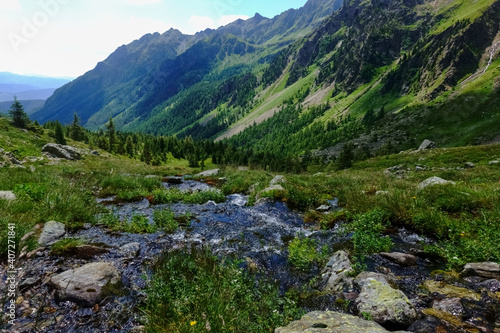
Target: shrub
(303, 253)
(367, 229)
(165, 219)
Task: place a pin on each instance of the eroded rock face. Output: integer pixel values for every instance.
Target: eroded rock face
(337, 273)
(60, 151)
(331, 322)
(434, 181)
(84, 285)
(51, 232)
(382, 302)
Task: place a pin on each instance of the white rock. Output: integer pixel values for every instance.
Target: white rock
(51, 232)
(434, 181)
(7, 195)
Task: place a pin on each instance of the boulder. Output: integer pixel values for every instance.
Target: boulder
(270, 189)
(450, 305)
(278, 180)
(9, 158)
(434, 181)
(324, 208)
(51, 232)
(383, 303)
(469, 165)
(337, 273)
(130, 250)
(427, 144)
(7, 195)
(494, 162)
(489, 270)
(331, 322)
(84, 285)
(60, 151)
(208, 173)
(364, 278)
(450, 291)
(402, 259)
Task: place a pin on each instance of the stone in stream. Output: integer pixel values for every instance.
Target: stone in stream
(7, 195)
(489, 270)
(337, 273)
(383, 303)
(450, 290)
(450, 305)
(84, 285)
(130, 250)
(51, 232)
(331, 322)
(434, 181)
(402, 259)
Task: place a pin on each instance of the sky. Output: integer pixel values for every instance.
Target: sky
(66, 38)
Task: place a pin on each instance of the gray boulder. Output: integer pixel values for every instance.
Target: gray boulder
(331, 322)
(9, 158)
(469, 165)
(382, 302)
(84, 285)
(208, 173)
(337, 273)
(130, 250)
(278, 180)
(324, 208)
(494, 162)
(51, 232)
(489, 270)
(7, 195)
(59, 151)
(402, 259)
(427, 144)
(434, 181)
(450, 305)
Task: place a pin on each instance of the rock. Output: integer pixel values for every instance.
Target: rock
(263, 201)
(382, 302)
(402, 259)
(382, 193)
(427, 144)
(130, 250)
(331, 322)
(10, 159)
(451, 321)
(494, 162)
(95, 153)
(449, 305)
(7, 195)
(208, 173)
(84, 285)
(137, 329)
(489, 270)
(490, 285)
(364, 278)
(324, 209)
(469, 165)
(242, 168)
(434, 181)
(337, 273)
(151, 177)
(396, 171)
(450, 290)
(51, 232)
(420, 168)
(60, 151)
(30, 282)
(273, 188)
(89, 251)
(278, 180)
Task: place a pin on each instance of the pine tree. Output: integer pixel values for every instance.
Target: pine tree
(346, 157)
(146, 153)
(59, 134)
(75, 131)
(19, 117)
(111, 135)
(129, 146)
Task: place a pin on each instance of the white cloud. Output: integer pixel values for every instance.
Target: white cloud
(226, 19)
(143, 2)
(200, 23)
(10, 5)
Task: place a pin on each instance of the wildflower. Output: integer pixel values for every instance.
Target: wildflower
(193, 323)
(414, 197)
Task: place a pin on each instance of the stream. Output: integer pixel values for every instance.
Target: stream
(260, 235)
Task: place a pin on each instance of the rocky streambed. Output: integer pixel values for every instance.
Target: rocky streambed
(98, 287)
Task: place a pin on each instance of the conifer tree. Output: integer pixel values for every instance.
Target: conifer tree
(129, 146)
(19, 117)
(146, 153)
(75, 131)
(111, 135)
(59, 134)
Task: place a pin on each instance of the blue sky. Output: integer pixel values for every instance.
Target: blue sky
(69, 37)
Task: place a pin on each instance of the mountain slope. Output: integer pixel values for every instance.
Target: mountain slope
(138, 77)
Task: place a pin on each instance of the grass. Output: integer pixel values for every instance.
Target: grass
(197, 292)
(168, 196)
(66, 245)
(303, 253)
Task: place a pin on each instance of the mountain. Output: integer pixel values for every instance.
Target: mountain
(28, 87)
(380, 74)
(140, 76)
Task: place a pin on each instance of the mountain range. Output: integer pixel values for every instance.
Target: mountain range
(381, 74)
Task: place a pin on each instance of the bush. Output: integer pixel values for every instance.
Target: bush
(165, 219)
(303, 253)
(367, 229)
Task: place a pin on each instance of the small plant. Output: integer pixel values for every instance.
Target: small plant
(65, 246)
(367, 229)
(35, 192)
(303, 253)
(139, 224)
(366, 316)
(165, 219)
